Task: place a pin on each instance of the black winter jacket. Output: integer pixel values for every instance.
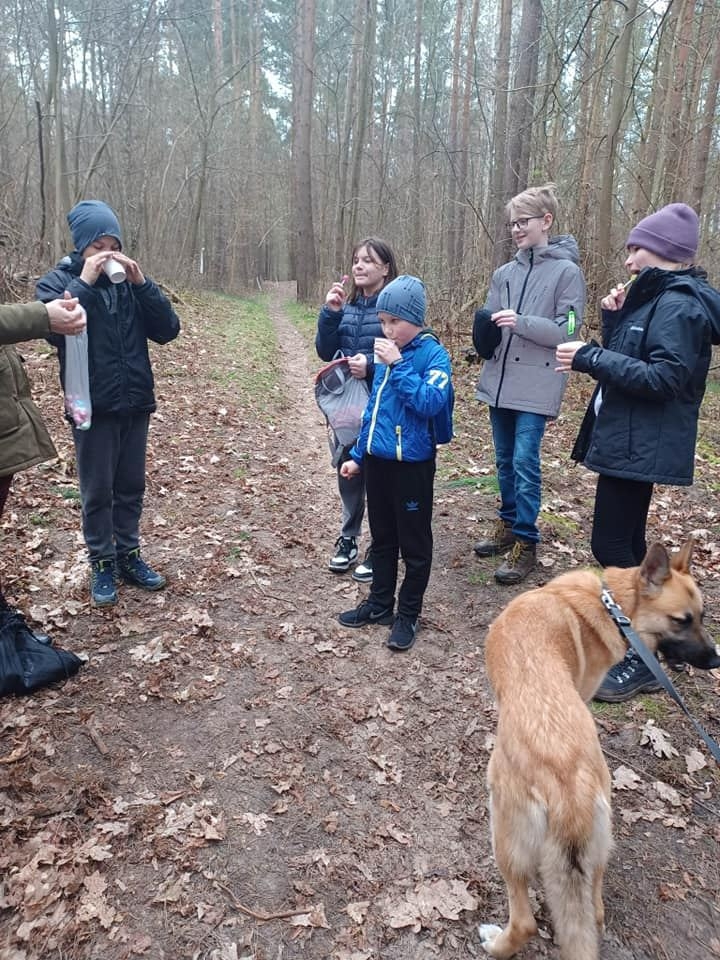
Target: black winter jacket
(652, 372)
(121, 318)
(351, 330)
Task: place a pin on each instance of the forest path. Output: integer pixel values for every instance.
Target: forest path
(231, 754)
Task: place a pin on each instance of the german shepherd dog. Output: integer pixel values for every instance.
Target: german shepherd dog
(546, 654)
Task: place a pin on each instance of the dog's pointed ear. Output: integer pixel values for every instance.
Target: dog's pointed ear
(681, 560)
(655, 568)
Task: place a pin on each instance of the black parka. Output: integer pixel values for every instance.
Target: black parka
(121, 318)
(651, 373)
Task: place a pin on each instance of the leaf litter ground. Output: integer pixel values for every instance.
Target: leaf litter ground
(234, 776)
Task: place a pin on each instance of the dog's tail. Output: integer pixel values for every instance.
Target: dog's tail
(572, 873)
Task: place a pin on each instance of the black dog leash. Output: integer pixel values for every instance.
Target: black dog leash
(651, 662)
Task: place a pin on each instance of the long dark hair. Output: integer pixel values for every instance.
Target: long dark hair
(383, 252)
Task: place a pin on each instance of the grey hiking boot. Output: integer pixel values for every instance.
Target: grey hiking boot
(518, 563)
(499, 540)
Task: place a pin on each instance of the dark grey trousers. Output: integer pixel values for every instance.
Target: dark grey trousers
(352, 496)
(111, 470)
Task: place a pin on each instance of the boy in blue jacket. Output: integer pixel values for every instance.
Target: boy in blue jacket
(396, 448)
(121, 318)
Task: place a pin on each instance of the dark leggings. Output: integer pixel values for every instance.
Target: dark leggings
(618, 532)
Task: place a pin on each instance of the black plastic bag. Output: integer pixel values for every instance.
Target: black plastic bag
(26, 664)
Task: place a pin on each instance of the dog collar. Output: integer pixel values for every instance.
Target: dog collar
(651, 662)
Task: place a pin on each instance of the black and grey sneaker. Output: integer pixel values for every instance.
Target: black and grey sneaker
(346, 553)
(363, 572)
(402, 636)
(626, 679)
(366, 614)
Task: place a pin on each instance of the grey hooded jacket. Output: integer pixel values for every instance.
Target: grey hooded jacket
(545, 286)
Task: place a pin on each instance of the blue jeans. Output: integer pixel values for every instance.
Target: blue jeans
(517, 437)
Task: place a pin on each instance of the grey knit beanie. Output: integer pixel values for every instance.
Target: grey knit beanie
(404, 297)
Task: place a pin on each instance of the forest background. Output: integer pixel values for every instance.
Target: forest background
(242, 140)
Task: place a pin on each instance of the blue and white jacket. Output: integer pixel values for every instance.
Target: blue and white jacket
(396, 424)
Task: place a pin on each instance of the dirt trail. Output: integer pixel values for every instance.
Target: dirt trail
(232, 755)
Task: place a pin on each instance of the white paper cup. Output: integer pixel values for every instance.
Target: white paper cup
(115, 270)
(376, 358)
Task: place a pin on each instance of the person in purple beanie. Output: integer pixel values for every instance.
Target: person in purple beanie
(641, 425)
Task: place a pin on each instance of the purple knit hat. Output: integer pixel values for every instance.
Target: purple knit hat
(673, 233)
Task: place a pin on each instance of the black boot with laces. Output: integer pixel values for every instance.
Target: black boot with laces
(627, 679)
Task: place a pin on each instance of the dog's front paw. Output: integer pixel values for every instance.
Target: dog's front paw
(489, 932)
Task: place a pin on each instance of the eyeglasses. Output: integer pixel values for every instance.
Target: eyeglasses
(522, 223)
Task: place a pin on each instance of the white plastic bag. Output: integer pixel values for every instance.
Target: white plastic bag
(77, 381)
(342, 398)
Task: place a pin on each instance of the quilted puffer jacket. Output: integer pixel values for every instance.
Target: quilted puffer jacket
(351, 330)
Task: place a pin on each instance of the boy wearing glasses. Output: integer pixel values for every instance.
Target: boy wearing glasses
(535, 302)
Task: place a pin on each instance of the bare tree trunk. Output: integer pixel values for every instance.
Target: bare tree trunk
(618, 103)
(305, 257)
(590, 105)
(464, 136)
(453, 193)
(416, 206)
(652, 154)
(218, 39)
(704, 137)
(501, 243)
(522, 99)
(256, 219)
(678, 133)
(347, 140)
(41, 158)
(61, 205)
(364, 112)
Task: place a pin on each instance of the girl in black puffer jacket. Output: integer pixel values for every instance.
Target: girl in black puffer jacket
(348, 326)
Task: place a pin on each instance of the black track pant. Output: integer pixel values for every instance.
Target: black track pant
(399, 503)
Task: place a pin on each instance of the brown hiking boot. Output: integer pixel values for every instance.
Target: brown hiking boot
(518, 563)
(499, 540)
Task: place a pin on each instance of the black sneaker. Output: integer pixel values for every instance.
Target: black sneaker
(102, 583)
(363, 572)
(366, 614)
(626, 679)
(346, 553)
(402, 636)
(133, 569)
